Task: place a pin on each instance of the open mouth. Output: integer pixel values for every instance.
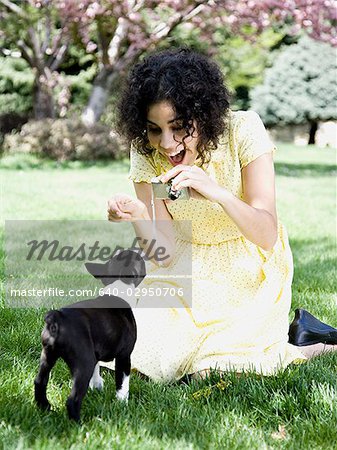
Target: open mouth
(178, 158)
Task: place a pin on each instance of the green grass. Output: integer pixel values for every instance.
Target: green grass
(296, 409)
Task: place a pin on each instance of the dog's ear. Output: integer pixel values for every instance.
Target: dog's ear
(96, 270)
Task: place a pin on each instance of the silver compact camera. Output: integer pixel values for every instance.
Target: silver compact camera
(164, 191)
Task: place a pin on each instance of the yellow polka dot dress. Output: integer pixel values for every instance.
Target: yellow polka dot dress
(241, 294)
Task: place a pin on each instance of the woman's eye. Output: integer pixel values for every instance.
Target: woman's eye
(154, 130)
(178, 129)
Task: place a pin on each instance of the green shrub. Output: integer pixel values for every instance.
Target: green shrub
(16, 84)
(300, 86)
(65, 139)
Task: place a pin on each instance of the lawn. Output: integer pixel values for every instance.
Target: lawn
(296, 409)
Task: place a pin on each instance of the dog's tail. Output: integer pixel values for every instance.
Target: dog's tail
(52, 327)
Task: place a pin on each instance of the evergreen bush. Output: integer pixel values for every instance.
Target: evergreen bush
(300, 86)
(16, 84)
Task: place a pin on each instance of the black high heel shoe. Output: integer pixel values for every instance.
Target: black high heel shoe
(305, 329)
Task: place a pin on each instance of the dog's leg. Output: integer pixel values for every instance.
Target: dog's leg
(96, 380)
(81, 370)
(122, 376)
(47, 362)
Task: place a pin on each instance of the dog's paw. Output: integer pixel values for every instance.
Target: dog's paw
(45, 406)
(96, 383)
(122, 392)
(122, 396)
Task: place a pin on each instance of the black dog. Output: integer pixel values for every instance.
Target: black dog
(102, 329)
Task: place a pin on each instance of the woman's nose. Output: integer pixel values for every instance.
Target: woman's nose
(167, 141)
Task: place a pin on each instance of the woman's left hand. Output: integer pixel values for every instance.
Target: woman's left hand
(201, 185)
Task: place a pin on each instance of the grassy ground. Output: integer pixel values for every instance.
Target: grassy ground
(295, 410)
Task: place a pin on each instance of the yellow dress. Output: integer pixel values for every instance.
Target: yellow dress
(241, 293)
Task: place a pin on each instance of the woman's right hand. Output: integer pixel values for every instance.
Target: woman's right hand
(124, 208)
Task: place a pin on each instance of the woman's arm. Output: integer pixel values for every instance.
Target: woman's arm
(255, 216)
(157, 237)
(163, 222)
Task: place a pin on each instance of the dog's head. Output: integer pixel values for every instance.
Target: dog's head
(126, 265)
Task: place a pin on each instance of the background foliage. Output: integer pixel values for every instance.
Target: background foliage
(300, 87)
(68, 59)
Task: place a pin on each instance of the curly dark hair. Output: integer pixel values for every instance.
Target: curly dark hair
(191, 82)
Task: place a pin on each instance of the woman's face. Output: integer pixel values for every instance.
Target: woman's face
(165, 134)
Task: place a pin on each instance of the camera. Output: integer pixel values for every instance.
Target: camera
(165, 191)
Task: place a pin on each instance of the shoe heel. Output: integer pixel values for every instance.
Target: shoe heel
(305, 329)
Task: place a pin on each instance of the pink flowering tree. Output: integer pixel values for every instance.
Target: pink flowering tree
(31, 27)
(119, 32)
(317, 17)
(124, 30)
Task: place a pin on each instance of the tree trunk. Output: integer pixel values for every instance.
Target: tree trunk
(43, 101)
(312, 132)
(99, 96)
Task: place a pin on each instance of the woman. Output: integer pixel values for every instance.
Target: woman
(175, 112)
